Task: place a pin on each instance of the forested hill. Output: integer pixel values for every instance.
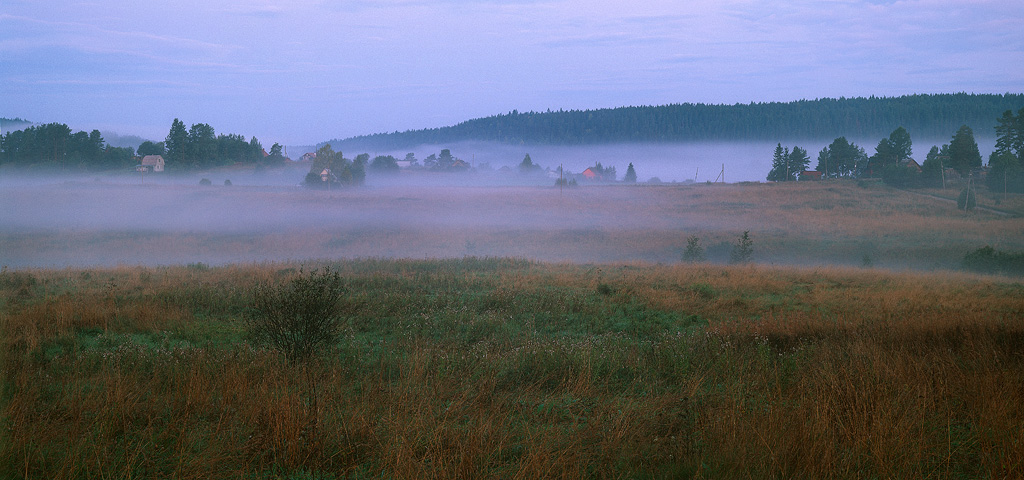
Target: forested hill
(922, 115)
(8, 124)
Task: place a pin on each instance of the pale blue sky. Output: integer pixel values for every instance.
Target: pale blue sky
(303, 71)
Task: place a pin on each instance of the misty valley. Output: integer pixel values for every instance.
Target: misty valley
(475, 309)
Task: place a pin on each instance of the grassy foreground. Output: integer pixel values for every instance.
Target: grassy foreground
(497, 368)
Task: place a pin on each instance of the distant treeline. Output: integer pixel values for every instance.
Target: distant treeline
(53, 145)
(923, 115)
(200, 147)
(16, 123)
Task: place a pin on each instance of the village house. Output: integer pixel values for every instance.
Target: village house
(810, 175)
(152, 163)
(912, 164)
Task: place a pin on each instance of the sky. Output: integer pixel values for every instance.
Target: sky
(299, 72)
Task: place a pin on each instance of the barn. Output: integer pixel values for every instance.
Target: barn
(153, 163)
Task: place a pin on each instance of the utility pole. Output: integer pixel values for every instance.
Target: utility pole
(967, 198)
(560, 181)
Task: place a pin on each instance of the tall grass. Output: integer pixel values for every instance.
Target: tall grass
(500, 368)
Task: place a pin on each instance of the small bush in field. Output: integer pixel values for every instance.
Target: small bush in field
(743, 250)
(694, 250)
(15, 280)
(989, 260)
(967, 200)
(300, 319)
(206, 181)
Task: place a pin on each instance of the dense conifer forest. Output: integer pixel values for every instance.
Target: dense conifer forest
(925, 115)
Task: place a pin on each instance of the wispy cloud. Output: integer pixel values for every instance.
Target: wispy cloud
(93, 38)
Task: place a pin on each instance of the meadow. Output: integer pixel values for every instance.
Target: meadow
(504, 368)
(510, 332)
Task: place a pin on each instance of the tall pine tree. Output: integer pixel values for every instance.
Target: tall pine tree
(963, 151)
(176, 144)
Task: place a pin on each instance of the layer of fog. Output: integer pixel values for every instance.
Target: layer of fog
(108, 218)
(97, 223)
(497, 164)
(665, 162)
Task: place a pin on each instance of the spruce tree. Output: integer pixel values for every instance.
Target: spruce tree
(963, 151)
(630, 174)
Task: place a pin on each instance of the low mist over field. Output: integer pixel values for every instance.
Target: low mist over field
(747, 161)
(99, 222)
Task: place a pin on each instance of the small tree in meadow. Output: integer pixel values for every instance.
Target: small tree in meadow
(630, 174)
(743, 251)
(694, 250)
(967, 199)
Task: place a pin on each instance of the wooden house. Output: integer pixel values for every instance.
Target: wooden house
(153, 163)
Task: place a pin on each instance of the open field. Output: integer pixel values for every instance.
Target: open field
(614, 361)
(495, 368)
(828, 223)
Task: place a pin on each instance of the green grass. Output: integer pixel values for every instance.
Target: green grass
(496, 368)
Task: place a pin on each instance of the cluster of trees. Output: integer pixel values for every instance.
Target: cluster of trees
(787, 165)
(200, 147)
(890, 162)
(527, 167)
(445, 162)
(841, 159)
(54, 145)
(606, 174)
(384, 164)
(1006, 162)
(961, 154)
(890, 152)
(928, 115)
(332, 169)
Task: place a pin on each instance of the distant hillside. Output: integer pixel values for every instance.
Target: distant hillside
(115, 140)
(922, 115)
(9, 124)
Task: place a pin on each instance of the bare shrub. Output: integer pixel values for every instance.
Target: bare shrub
(300, 319)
